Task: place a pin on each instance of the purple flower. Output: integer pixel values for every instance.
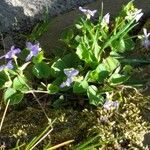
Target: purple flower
(106, 18)
(12, 53)
(138, 14)
(108, 105)
(88, 12)
(70, 73)
(2, 67)
(34, 50)
(9, 65)
(145, 40)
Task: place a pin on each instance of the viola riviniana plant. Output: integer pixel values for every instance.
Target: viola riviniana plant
(91, 67)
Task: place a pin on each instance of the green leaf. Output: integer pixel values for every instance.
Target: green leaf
(67, 35)
(3, 79)
(20, 84)
(52, 88)
(80, 87)
(95, 98)
(127, 70)
(14, 96)
(79, 26)
(129, 43)
(24, 53)
(92, 76)
(83, 53)
(8, 93)
(100, 73)
(58, 81)
(57, 68)
(117, 79)
(12, 73)
(38, 58)
(71, 60)
(86, 54)
(41, 70)
(110, 64)
(78, 38)
(118, 45)
(123, 44)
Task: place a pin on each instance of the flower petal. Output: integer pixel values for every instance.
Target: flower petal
(2, 67)
(106, 18)
(29, 45)
(34, 50)
(74, 72)
(138, 17)
(146, 43)
(116, 104)
(12, 52)
(29, 56)
(69, 81)
(107, 105)
(9, 65)
(88, 12)
(71, 72)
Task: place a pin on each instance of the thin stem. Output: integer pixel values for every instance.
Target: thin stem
(60, 145)
(9, 78)
(15, 60)
(33, 93)
(3, 117)
(40, 105)
(36, 91)
(41, 139)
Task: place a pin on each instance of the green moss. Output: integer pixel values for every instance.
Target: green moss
(123, 128)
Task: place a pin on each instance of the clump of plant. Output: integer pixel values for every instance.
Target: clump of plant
(93, 65)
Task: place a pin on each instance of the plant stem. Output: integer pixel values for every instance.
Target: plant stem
(33, 93)
(60, 145)
(40, 105)
(36, 91)
(3, 117)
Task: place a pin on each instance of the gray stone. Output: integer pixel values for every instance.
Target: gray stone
(15, 14)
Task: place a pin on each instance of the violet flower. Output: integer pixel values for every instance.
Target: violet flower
(9, 55)
(108, 105)
(9, 65)
(70, 73)
(106, 18)
(12, 53)
(88, 12)
(145, 39)
(138, 14)
(34, 50)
